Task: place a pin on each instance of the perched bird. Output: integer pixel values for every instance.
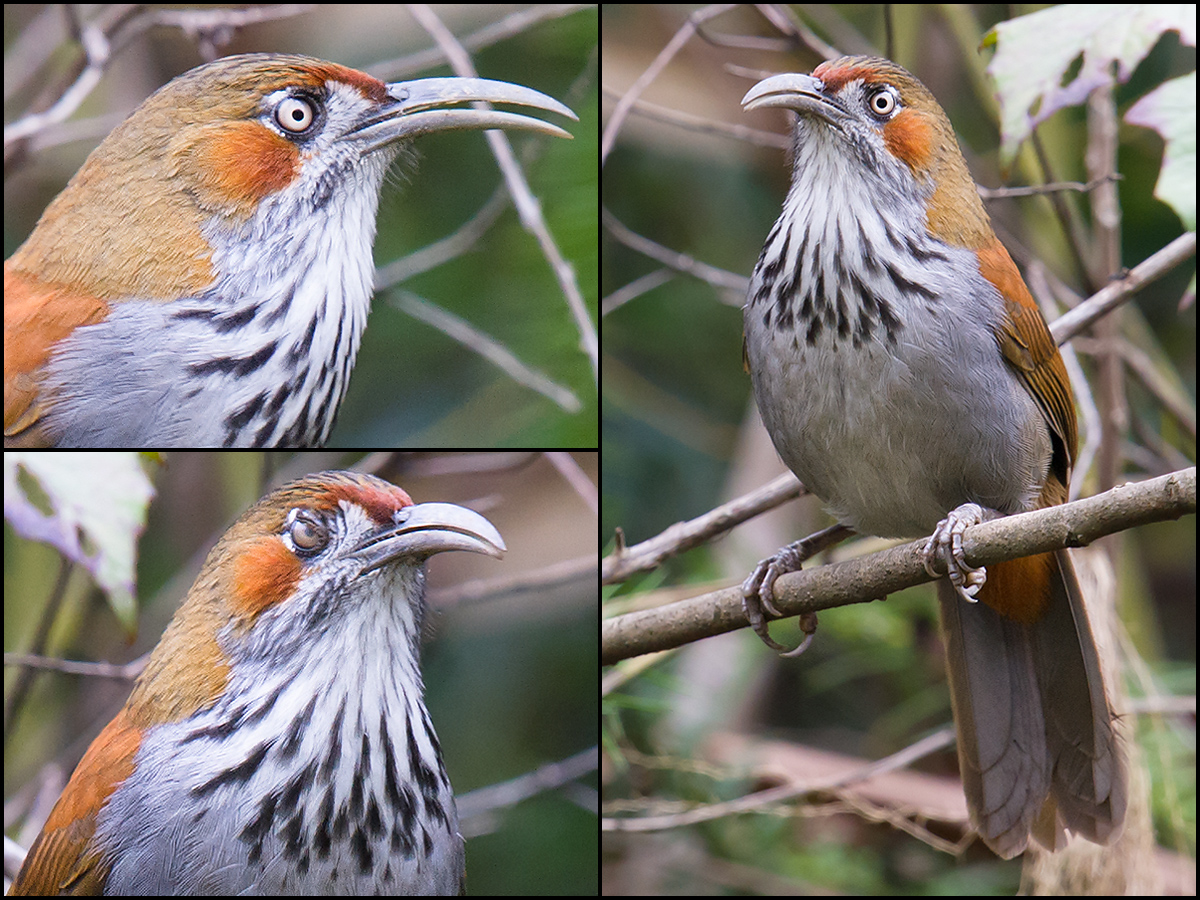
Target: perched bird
(907, 377)
(277, 741)
(204, 279)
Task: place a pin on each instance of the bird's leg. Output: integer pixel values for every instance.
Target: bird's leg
(758, 591)
(946, 544)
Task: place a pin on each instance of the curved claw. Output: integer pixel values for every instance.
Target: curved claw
(946, 542)
(758, 591)
(758, 594)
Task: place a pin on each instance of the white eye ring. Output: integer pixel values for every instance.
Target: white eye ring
(882, 103)
(308, 534)
(294, 114)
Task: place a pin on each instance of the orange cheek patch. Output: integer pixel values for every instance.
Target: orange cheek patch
(236, 165)
(910, 139)
(264, 574)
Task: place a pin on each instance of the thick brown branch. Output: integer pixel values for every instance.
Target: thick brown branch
(873, 577)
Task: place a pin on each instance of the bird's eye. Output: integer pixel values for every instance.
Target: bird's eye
(882, 103)
(294, 114)
(309, 534)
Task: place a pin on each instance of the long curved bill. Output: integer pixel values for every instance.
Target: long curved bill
(424, 529)
(787, 90)
(428, 104)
